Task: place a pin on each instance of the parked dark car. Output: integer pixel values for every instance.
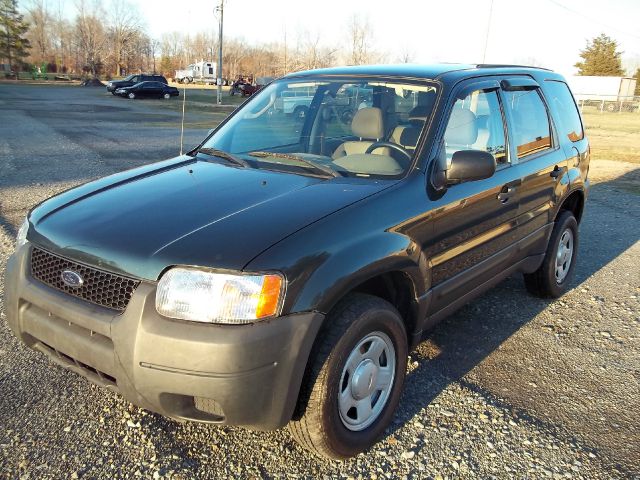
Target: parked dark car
(281, 272)
(148, 90)
(131, 80)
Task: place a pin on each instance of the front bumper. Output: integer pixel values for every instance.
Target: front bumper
(246, 375)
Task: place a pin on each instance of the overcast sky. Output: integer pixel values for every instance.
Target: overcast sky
(548, 33)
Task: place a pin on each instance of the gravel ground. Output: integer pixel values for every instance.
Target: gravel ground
(509, 387)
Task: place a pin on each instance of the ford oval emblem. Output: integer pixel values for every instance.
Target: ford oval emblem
(71, 279)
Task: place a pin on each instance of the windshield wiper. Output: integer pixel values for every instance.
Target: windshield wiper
(288, 156)
(214, 152)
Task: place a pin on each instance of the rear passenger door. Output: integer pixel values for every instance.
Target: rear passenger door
(570, 129)
(474, 222)
(541, 162)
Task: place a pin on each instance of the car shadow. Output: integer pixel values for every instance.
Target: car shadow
(463, 340)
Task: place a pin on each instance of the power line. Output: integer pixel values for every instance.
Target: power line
(558, 4)
(486, 38)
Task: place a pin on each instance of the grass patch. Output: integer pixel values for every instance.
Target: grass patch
(613, 136)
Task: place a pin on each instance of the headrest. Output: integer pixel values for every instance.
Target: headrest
(367, 123)
(409, 137)
(462, 128)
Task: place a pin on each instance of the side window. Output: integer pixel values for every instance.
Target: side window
(559, 96)
(136, 79)
(529, 121)
(476, 124)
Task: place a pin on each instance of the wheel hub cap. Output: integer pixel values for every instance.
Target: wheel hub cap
(564, 255)
(366, 381)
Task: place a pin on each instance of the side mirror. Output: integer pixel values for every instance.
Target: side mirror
(469, 165)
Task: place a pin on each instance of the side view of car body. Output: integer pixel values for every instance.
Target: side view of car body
(148, 90)
(131, 80)
(280, 273)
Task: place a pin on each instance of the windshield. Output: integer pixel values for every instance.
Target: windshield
(351, 127)
(128, 78)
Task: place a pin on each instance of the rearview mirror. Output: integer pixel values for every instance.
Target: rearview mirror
(469, 165)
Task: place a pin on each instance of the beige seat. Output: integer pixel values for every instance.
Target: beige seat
(368, 126)
(461, 133)
(407, 135)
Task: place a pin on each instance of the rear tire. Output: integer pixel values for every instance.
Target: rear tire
(553, 277)
(354, 379)
(166, 96)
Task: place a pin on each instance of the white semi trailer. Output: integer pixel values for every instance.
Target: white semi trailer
(200, 72)
(608, 93)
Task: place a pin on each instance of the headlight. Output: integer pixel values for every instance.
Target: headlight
(109, 84)
(21, 238)
(201, 296)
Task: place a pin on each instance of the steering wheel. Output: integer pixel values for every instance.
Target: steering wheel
(393, 146)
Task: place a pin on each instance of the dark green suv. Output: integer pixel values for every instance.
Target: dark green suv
(281, 272)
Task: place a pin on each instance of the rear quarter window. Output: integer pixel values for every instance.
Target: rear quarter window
(560, 100)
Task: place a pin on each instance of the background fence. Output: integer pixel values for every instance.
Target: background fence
(607, 103)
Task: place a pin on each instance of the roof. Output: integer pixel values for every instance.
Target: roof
(431, 71)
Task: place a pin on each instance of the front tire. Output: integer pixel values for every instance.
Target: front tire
(166, 96)
(553, 277)
(132, 95)
(354, 379)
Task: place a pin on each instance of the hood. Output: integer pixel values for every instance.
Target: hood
(186, 212)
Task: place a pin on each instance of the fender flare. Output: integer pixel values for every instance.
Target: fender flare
(359, 261)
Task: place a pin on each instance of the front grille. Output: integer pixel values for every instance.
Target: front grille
(98, 287)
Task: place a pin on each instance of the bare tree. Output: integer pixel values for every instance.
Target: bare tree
(40, 30)
(406, 55)
(154, 46)
(90, 35)
(360, 36)
(125, 25)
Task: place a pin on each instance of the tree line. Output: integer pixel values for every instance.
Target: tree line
(108, 39)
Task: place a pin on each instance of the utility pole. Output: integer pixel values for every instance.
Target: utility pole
(285, 51)
(220, 9)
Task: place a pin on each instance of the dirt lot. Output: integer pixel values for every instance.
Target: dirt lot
(509, 387)
(613, 135)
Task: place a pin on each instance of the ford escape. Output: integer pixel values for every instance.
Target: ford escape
(280, 273)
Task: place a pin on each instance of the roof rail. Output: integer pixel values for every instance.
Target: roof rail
(506, 65)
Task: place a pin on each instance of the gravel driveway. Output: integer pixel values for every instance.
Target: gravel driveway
(510, 386)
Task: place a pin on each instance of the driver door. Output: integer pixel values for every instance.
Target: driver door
(474, 222)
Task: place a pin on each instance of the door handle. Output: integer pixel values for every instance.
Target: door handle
(506, 193)
(557, 171)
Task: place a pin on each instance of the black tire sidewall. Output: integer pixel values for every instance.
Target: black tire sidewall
(344, 442)
(565, 220)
